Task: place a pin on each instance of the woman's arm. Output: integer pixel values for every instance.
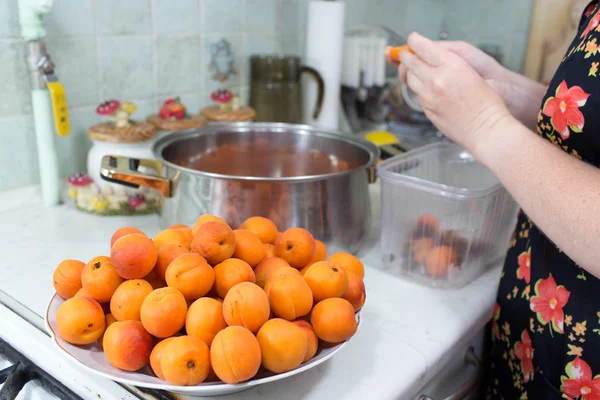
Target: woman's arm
(560, 193)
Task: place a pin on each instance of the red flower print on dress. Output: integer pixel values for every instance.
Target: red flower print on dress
(495, 318)
(524, 270)
(563, 109)
(579, 384)
(524, 352)
(593, 24)
(548, 303)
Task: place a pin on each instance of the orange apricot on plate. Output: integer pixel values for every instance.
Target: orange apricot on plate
(349, 262)
(277, 237)
(215, 242)
(127, 230)
(191, 275)
(326, 279)
(283, 345)
(82, 293)
(248, 247)
(185, 361)
(262, 227)
(439, 260)
(235, 355)
(279, 272)
(270, 250)
(156, 355)
(320, 254)
(356, 293)
(312, 340)
(127, 300)
(290, 296)
(231, 272)
(163, 312)
(80, 320)
(333, 320)
(67, 278)
(134, 256)
(204, 319)
(170, 236)
(266, 267)
(165, 256)
(246, 305)
(127, 345)
(187, 232)
(100, 279)
(296, 246)
(204, 219)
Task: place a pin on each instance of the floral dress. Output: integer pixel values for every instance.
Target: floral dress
(546, 323)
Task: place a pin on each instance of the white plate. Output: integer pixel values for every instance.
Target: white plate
(92, 358)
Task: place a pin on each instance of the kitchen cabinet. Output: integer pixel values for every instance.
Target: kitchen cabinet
(457, 373)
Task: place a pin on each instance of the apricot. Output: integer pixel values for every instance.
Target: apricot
(127, 230)
(163, 312)
(108, 321)
(290, 296)
(235, 355)
(355, 294)
(248, 247)
(134, 256)
(280, 272)
(204, 219)
(154, 281)
(262, 227)
(204, 319)
(266, 267)
(312, 341)
(170, 236)
(439, 259)
(296, 246)
(80, 320)
(127, 345)
(127, 300)
(67, 278)
(283, 345)
(427, 225)
(82, 293)
(187, 233)
(246, 305)
(333, 320)
(191, 275)
(100, 279)
(156, 355)
(326, 280)
(231, 272)
(320, 253)
(215, 242)
(165, 256)
(420, 248)
(269, 250)
(185, 361)
(349, 262)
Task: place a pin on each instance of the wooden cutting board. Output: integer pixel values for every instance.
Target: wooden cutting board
(553, 27)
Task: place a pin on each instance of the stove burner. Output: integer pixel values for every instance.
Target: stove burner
(23, 371)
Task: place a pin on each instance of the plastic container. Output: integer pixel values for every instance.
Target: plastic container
(444, 217)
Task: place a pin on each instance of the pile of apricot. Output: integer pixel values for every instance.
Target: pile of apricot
(210, 302)
(435, 249)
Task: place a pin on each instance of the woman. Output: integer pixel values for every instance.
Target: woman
(546, 340)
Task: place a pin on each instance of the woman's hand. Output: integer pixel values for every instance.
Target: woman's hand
(452, 93)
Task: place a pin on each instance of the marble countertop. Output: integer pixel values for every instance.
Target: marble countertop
(406, 335)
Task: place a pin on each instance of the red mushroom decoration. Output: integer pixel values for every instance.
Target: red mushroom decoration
(80, 180)
(226, 100)
(136, 200)
(108, 108)
(173, 108)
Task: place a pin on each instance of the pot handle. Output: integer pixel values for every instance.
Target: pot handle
(124, 171)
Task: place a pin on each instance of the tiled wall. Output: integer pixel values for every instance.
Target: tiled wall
(147, 50)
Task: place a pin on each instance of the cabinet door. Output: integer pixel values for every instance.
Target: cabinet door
(461, 373)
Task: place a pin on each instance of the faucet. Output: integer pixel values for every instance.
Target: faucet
(49, 102)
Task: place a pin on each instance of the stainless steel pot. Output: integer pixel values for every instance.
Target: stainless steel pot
(295, 175)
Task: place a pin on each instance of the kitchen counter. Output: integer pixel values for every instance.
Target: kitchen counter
(406, 335)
